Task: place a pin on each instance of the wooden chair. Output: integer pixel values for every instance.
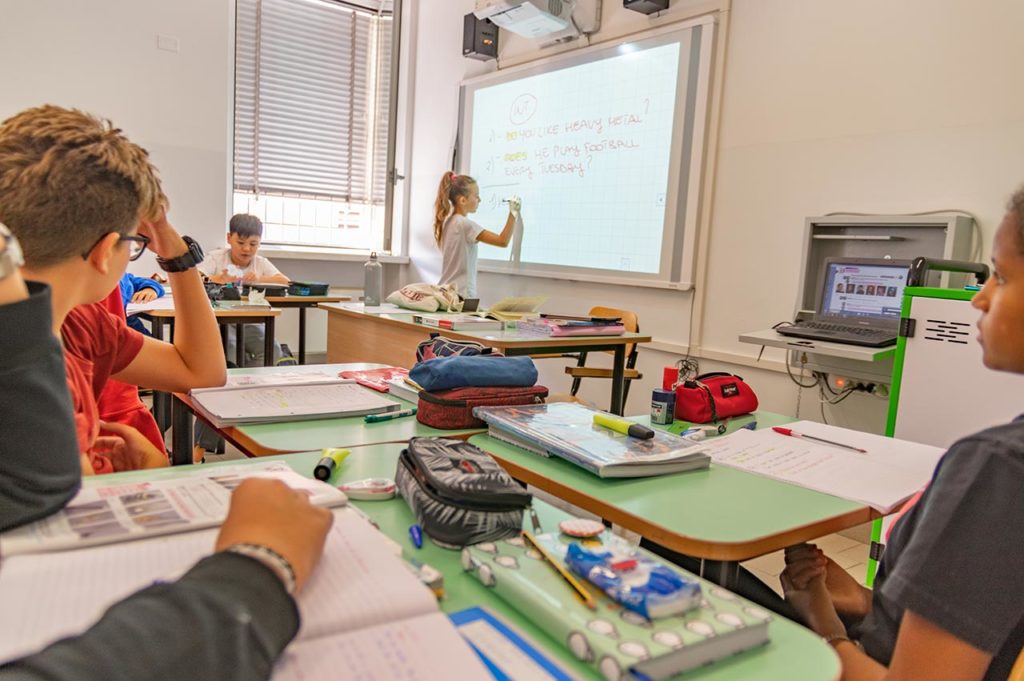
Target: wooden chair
(580, 371)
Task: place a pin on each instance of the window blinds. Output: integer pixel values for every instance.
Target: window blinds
(311, 100)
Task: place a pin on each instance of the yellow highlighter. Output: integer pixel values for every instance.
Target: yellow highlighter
(624, 426)
(331, 458)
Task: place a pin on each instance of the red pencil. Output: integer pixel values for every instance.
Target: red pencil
(792, 433)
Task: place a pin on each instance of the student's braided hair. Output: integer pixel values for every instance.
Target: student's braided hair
(67, 179)
(452, 186)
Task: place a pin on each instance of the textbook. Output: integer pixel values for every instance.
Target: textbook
(513, 308)
(273, 403)
(885, 474)
(458, 322)
(567, 430)
(567, 327)
(617, 642)
(405, 388)
(197, 497)
(365, 615)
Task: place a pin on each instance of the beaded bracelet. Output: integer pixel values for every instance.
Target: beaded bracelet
(277, 563)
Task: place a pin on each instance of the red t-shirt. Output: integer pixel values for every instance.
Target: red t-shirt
(97, 344)
(119, 402)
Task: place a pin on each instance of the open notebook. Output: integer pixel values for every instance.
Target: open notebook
(365, 615)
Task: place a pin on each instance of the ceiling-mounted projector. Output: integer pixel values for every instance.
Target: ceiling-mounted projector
(547, 19)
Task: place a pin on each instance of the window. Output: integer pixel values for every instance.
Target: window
(313, 119)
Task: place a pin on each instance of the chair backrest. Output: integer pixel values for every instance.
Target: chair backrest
(629, 320)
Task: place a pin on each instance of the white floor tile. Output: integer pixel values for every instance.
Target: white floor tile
(851, 556)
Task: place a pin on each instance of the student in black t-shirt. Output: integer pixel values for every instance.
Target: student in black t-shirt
(948, 601)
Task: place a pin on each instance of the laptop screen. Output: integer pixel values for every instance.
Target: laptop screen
(863, 291)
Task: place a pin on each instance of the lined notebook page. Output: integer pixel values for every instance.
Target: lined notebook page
(255, 404)
(48, 596)
(424, 648)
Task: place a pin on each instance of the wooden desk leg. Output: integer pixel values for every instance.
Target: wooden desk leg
(302, 334)
(268, 342)
(240, 345)
(181, 433)
(618, 379)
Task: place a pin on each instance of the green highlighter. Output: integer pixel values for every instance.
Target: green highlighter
(331, 458)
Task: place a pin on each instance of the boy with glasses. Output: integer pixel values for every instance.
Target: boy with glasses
(83, 201)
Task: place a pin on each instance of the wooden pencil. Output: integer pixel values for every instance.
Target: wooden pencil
(588, 599)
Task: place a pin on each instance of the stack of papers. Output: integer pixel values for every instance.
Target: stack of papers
(883, 477)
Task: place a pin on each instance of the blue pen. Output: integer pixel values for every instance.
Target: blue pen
(416, 534)
(374, 418)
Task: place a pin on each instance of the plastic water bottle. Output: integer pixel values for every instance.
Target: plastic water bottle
(373, 281)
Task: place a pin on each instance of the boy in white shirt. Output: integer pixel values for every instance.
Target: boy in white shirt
(241, 260)
(241, 263)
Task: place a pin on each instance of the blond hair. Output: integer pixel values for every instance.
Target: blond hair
(67, 179)
(452, 186)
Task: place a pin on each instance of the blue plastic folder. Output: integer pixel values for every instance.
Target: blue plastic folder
(475, 371)
(470, 620)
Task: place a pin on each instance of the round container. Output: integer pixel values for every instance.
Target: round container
(663, 406)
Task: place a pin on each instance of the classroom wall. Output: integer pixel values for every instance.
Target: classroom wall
(826, 106)
(102, 56)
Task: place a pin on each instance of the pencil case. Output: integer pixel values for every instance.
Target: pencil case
(458, 493)
(308, 288)
(482, 371)
(453, 409)
(638, 582)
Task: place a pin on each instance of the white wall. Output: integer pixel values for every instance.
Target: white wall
(827, 106)
(102, 57)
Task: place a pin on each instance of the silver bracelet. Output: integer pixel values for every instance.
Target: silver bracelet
(277, 563)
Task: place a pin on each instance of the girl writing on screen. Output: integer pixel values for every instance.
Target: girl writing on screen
(457, 236)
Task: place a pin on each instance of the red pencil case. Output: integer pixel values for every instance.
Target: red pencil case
(453, 409)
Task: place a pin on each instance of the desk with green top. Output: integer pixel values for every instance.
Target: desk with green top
(793, 652)
(357, 336)
(719, 515)
(268, 439)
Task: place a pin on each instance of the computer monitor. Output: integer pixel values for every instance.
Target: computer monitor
(864, 289)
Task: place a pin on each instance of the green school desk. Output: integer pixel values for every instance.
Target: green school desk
(267, 439)
(720, 515)
(792, 653)
(356, 336)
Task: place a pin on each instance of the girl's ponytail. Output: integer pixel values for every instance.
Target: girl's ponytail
(442, 205)
(451, 187)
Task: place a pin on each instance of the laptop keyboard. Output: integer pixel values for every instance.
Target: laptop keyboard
(840, 328)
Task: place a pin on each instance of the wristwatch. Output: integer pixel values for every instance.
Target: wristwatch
(192, 257)
(10, 253)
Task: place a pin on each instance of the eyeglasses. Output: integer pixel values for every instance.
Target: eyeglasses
(136, 245)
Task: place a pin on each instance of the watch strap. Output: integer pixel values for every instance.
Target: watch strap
(192, 257)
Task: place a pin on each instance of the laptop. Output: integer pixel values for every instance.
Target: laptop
(859, 303)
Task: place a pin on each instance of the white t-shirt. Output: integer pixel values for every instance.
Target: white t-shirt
(458, 250)
(219, 260)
